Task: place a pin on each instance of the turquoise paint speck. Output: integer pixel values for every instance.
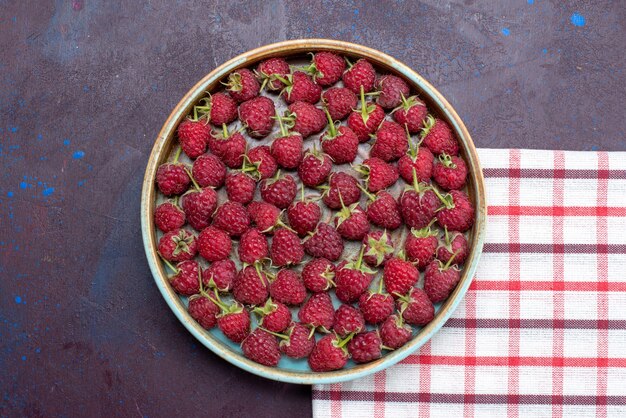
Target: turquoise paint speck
(47, 191)
(66, 142)
(18, 299)
(577, 19)
(23, 185)
(78, 155)
(545, 51)
(506, 31)
(9, 194)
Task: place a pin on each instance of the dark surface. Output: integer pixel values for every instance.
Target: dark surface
(84, 89)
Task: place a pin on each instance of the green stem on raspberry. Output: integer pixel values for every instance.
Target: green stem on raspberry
(416, 184)
(332, 129)
(364, 114)
(275, 334)
(359, 260)
(364, 190)
(302, 193)
(345, 341)
(224, 131)
(380, 285)
(177, 154)
(283, 130)
(193, 181)
(446, 200)
(175, 202)
(412, 147)
(167, 263)
(449, 263)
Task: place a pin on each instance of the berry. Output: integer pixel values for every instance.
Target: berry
(418, 205)
(438, 137)
(172, 178)
(399, 276)
(287, 288)
(220, 275)
(230, 148)
(232, 218)
(394, 333)
(193, 136)
(325, 242)
(449, 172)
(326, 68)
(243, 85)
(203, 310)
(221, 108)
(168, 216)
(366, 120)
(378, 174)
(341, 144)
(305, 118)
(318, 312)
(378, 248)
(458, 212)
(314, 168)
(411, 113)
(390, 143)
(178, 245)
(251, 286)
(214, 244)
(299, 87)
(287, 149)
(417, 158)
(240, 187)
(299, 342)
(209, 171)
(351, 222)
(252, 246)
(341, 187)
(440, 280)
(257, 116)
(365, 347)
(420, 246)
(360, 75)
(199, 206)
(264, 215)
(272, 67)
(318, 275)
(274, 316)
(348, 320)
(280, 191)
(303, 215)
(392, 91)
(233, 321)
(186, 280)
(339, 101)
(376, 306)
(383, 210)
(328, 354)
(454, 244)
(261, 347)
(262, 164)
(352, 279)
(286, 248)
(416, 308)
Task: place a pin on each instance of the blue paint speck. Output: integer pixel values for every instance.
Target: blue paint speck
(577, 19)
(356, 12)
(13, 129)
(85, 89)
(594, 148)
(39, 137)
(37, 350)
(80, 183)
(47, 191)
(23, 185)
(78, 155)
(18, 299)
(14, 19)
(9, 194)
(544, 51)
(66, 142)
(531, 1)
(23, 358)
(506, 31)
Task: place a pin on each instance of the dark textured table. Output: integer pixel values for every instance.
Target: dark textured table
(84, 89)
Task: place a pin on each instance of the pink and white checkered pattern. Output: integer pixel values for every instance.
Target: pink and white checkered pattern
(542, 329)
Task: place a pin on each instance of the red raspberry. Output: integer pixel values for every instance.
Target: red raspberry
(280, 191)
(411, 113)
(348, 320)
(378, 248)
(440, 280)
(328, 354)
(318, 275)
(287, 288)
(214, 244)
(339, 101)
(394, 333)
(299, 342)
(242, 85)
(168, 216)
(287, 149)
(264, 215)
(261, 159)
(365, 121)
(203, 310)
(186, 280)
(378, 174)
(286, 248)
(392, 91)
(273, 316)
(257, 116)
(199, 207)
(272, 67)
(352, 279)
(303, 215)
(240, 187)
(172, 179)
(193, 136)
(449, 172)
(234, 322)
(177, 245)
(305, 118)
(221, 107)
(230, 148)
(261, 347)
(360, 75)
(383, 210)
(341, 144)
(420, 246)
(209, 171)
(416, 308)
(454, 244)
(365, 347)
(314, 168)
(418, 206)
(458, 212)
(399, 276)
(376, 306)
(324, 243)
(251, 286)
(351, 223)
(252, 246)
(344, 185)
(220, 275)
(326, 68)
(232, 218)
(419, 159)
(438, 137)
(300, 88)
(390, 142)
(318, 312)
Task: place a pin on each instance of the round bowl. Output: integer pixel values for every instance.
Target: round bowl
(288, 370)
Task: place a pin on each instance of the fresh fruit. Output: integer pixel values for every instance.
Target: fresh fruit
(243, 85)
(352, 279)
(305, 118)
(351, 222)
(286, 248)
(257, 116)
(267, 71)
(383, 210)
(287, 288)
(261, 347)
(438, 137)
(228, 147)
(280, 190)
(326, 68)
(399, 276)
(298, 341)
(232, 218)
(457, 213)
(410, 113)
(240, 187)
(324, 242)
(365, 347)
(318, 275)
(220, 275)
(251, 286)
(440, 280)
(339, 143)
(366, 120)
(168, 216)
(260, 163)
(341, 187)
(273, 316)
(172, 178)
(376, 306)
(389, 142)
(303, 215)
(203, 310)
(418, 205)
(186, 277)
(234, 322)
(214, 244)
(299, 87)
(417, 158)
(339, 101)
(359, 75)
(449, 172)
(415, 307)
(348, 320)
(378, 248)
(314, 168)
(287, 148)
(178, 245)
(318, 312)
(265, 216)
(209, 171)
(454, 242)
(420, 245)
(193, 135)
(392, 91)
(394, 333)
(219, 108)
(199, 205)
(252, 246)
(329, 354)
(378, 174)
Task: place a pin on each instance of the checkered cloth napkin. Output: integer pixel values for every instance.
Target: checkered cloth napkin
(542, 330)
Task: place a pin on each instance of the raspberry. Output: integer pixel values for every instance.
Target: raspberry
(411, 113)
(299, 342)
(305, 118)
(438, 137)
(378, 248)
(286, 248)
(458, 212)
(261, 347)
(257, 116)
(251, 286)
(325, 242)
(454, 244)
(214, 244)
(199, 206)
(232, 218)
(186, 280)
(168, 216)
(203, 310)
(220, 275)
(339, 101)
(348, 320)
(365, 347)
(243, 85)
(314, 168)
(318, 275)
(318, 312)
(261, 160)
(303, 215)
(394, 333)
(416, 308)
(328, 354)
(420, 246)
(326, 68)
(267, 71)
(177, 245)
(440, 280)
(240, 187)
(287, 288)
(280, 191)
(172, 179)
(252, 246)
(209, 171)
(360, 75)
(193, 136)
(344, 185)
(392, 91)
(365, 121)
(274, 316)
(300, 88)
(376, 306)
(399, 276)
(449, 172)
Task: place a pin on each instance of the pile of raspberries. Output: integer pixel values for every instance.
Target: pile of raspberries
(278, 254)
